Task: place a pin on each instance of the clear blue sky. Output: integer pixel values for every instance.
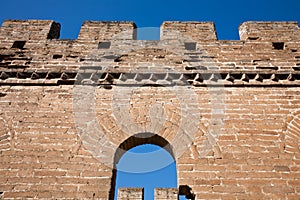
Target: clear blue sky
(227, 14)
(147, 166)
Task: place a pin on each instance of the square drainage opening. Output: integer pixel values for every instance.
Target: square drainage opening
(278, 45)
(104, 45)
(18, 45)
(190, 46)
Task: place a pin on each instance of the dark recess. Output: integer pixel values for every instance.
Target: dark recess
(104, 45)
(190, 46)
(187, 191)
(56, 56)
(278, 45)
(18, 45)
(54, 32)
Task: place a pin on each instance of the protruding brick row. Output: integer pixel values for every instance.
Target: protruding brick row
(94, 77)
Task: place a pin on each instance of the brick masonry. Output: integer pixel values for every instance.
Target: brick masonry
(229, 110)
(165, 194)
(130, 194)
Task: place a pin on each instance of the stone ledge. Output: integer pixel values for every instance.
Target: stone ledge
(196, 79)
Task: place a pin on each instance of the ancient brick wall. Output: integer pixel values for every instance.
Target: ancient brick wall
(228, 111)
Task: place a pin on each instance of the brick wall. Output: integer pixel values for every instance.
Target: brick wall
(228, 111)
(131, 193)
(164, 194)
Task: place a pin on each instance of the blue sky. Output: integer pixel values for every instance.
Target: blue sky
(147, 166)
(227, 14)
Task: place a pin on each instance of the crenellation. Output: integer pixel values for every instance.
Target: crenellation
(191, 31)
(29, 30)
(270, 31)
(197, 31)
(95, 32)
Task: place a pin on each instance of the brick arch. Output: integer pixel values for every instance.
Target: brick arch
(133, 141)
(291, 133)
(124, 113)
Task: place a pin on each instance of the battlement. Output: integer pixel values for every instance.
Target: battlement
(274, 31)
(32, 53)
(38, 30)
(100, 30)
(97, 31)
(197, 31)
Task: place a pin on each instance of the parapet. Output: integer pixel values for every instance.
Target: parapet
(197, 31)
(270, 31)
(36, 30)
(31, 51)
(97, 31)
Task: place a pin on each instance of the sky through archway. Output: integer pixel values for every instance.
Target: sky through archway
(134, 169)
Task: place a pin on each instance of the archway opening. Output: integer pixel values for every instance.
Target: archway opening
(144, 161)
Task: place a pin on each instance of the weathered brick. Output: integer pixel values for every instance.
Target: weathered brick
(131, 193)
(226, 189)
(278, 189)
(279, 168)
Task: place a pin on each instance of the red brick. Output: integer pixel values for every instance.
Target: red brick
(278, 189)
